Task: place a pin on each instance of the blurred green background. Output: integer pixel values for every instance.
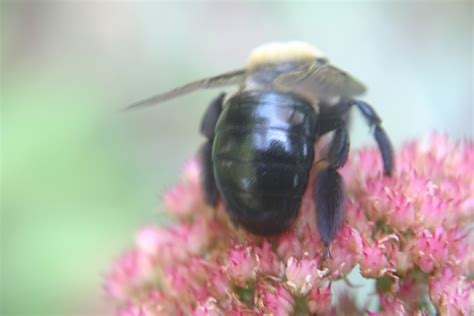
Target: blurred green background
(79, 177)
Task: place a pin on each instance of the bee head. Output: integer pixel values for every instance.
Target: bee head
(276, 53)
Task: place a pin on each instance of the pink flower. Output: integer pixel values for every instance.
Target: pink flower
(192, 172)
(129, 272)
(430, 249)
(391, 307)
(267, 260)
(311, 243)
(401, 260)
(401, 213)
(289, 245)
(274, 299)
(451, 293)
(319, 300)
(357, 218)
(345, 252)
(434, 210)
(131, 310)
(180, 200)
(374, 262)
(176, 244)
(183, 200)
(409, 292)
(209, 308)
(302, 275)
(410, 233)
(242, 265)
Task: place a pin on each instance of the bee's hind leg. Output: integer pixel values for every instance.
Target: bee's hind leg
(208, 125)
(329, 195)
(329, 192)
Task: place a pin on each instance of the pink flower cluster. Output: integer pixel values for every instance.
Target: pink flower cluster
(411, 232)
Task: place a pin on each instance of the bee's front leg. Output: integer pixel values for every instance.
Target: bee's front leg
(385, 146)
(333, 117)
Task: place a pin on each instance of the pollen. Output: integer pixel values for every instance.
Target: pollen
(280, 52)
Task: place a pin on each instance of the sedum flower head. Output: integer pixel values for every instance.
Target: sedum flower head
(411, 233)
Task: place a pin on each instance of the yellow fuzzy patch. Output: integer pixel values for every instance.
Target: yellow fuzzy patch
(278, 52)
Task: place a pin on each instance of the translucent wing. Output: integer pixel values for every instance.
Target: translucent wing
(321, 80)
(226, 79)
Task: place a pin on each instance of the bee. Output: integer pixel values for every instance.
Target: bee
(260, 145)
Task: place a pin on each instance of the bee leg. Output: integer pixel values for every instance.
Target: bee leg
(209, 120)
(208, 125)
(383, 142)
(339, 148)
(208, 182)
(332, 116)
(328, 191)
(330, 203)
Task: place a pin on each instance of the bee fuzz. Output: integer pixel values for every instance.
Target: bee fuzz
(280, 52)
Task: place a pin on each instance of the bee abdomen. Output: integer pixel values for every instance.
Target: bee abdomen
(262, 156)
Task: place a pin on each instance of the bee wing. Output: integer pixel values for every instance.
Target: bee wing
(226, 79)
(323, 80)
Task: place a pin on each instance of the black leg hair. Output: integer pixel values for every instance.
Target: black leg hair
(329, 189)
(330, 203)
(383, 142)
(208, 181)
(208, 125)
(339, 148)
(386, 149)
(333, 117)
(209, 120)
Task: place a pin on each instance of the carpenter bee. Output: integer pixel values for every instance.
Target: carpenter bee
(260, 140)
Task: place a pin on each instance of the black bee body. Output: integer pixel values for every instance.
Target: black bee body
(262, 155)
(260, 143)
